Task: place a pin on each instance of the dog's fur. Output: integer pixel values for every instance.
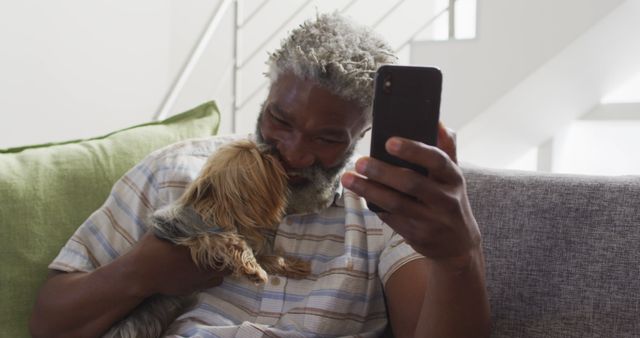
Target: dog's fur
(227, 217)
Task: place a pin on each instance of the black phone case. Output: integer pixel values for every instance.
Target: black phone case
(406, 103)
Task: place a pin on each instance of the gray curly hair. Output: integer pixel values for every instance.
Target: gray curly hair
(335, 53)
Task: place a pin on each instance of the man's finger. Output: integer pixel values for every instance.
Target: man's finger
(440, 166)
(389, 199)
(425, 234)
(392, 200)
(404, 180)
(447, 141)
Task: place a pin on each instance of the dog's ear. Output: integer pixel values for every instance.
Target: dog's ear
(199, 196)
(240, 185)
(252, 187)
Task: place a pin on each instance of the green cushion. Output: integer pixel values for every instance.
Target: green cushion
(47, 191)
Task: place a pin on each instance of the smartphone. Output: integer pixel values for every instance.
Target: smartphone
(406, 103)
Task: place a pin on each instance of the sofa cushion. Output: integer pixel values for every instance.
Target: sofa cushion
(562, 252)
(47, 191)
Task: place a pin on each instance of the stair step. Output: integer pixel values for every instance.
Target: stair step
(614, 111)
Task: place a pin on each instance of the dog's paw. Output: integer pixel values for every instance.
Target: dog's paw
(257, 276)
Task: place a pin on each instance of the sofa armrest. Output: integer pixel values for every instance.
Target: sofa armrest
(562, 252)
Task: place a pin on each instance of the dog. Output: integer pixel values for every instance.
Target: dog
(227, 217)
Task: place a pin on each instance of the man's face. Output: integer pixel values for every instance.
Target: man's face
(314, 133)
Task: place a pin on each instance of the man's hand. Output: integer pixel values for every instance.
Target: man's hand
(164, 268)
(86, 304)
(431, 212)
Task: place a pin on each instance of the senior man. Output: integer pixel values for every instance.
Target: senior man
(418, 267)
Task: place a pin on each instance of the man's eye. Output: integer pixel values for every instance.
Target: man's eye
(279, 120)
(329, 141)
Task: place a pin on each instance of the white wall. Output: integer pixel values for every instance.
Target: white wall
(628, 91)
(76, 69)
(562, 89)
(598, 148)
(73, 68)
(260, 35)
(513, 39)
(211, 78)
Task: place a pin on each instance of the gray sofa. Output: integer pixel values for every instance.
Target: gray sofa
(562, 252)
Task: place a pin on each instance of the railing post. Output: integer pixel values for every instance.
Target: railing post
(452, 19)
(191, 62)
(234, 74)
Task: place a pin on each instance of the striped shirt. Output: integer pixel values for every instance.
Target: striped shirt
(352, 254)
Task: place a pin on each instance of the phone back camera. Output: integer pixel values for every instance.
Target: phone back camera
(387, 84)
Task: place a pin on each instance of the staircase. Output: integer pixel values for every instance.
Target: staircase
(529, 76)
(533, 69)
(523, 75)
(260, 25)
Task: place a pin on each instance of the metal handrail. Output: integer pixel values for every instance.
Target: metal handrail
(266, 81)
(266, 41)
(205, 38)
(387, 13)
(422, 28)
(189, 65)
(254, 13)
(235, 68)
(349, 5)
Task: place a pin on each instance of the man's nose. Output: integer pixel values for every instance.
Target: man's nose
(296, 154)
